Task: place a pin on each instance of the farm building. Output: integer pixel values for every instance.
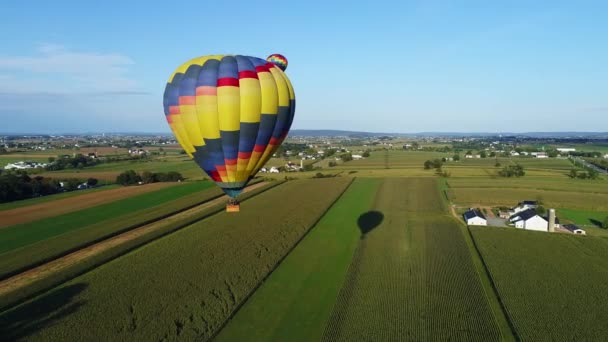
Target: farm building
(475, 218)
(530, 220)
(523, 206)
(574, 229)
(565, 149)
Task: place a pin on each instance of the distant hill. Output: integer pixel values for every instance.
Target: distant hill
(333, 133)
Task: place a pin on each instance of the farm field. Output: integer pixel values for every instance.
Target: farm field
(184, 285)
(510, 197)
(46, 249)
(532, 183)
(553, 286)
(295, 302)
(412, 276)
(19, 212)
(55, 197)
(20, 235)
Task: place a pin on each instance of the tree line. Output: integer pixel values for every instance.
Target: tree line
(19, 186)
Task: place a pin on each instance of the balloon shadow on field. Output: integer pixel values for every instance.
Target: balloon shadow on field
(369, 221)
(35, 315)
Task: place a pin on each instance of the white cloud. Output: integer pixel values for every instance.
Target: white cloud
(57, 70)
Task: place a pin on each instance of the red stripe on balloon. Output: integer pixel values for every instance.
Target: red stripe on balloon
(230, 161)
(261, 68)
(216, 176)
(187, 100)
(274, 141)
(244, 155)
(259, 148)
(248, 74)
(228, 82)
(169, 119)
(271, 65)
(174, 110)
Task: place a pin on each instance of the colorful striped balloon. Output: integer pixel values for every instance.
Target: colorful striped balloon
(278, 60)
(229, 113)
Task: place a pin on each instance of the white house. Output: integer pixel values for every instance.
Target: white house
(542, 155)
(274, 170)
(565, 149)
(357, 156)
(474, 218)
(529, 220)
(606, 156)
(514, 153)
(574, 229)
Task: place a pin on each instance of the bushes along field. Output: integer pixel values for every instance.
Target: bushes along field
(294, 303)
(186, 284)
(412, 277)
(553, 286)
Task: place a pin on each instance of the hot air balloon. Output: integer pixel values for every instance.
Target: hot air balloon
(229, 113)
(279, 60)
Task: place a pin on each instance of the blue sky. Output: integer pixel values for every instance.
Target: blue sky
(403, 66)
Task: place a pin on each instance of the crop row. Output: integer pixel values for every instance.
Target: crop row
(553, 286)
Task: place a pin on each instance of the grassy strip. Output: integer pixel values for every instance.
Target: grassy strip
(65, 275)
(21, 235)
(185, 285)
(296, 300)
(38, 200)
(411, 277)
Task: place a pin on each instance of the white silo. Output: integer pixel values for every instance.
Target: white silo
(551, 220)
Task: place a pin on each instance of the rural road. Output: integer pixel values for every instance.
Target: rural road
(66, 205)
(20, 280)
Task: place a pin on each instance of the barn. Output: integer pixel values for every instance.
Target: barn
(474, 218)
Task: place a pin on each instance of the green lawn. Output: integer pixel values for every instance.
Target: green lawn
(296, 300)
(583, 217)
(24, 234)
(38, 200)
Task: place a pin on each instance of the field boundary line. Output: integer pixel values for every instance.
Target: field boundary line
(24, 286)
(312, 226)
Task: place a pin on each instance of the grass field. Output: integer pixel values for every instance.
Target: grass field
(184, 285)
(412, 276)
(294, 303)
(38, 200)
(553, 285)
(21, 235)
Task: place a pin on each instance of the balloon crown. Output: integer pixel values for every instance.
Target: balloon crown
(278, 60)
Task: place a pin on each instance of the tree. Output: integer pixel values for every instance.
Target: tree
(128, 178)
(332, 163)
(148, 177)
(492, 154)
(51, 159)
(428, 165)
(593, 174)
(540, 210)
(483, 154)
(456, 157)
(346, 157)
(365, 154)
(497, 163)
(573, 173)
(415, 145)
(469, 152)
(92, 181)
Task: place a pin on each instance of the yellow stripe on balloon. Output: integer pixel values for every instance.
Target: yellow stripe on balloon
(198, 61)
(180, 134)
(251, 104)
(206, 108)
(282, 89)
(229, 108)
(191, 123)
(268, 88)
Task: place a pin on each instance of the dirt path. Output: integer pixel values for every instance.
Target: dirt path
(42, 271)
(66, 205)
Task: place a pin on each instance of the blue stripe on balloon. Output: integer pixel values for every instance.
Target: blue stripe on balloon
(187, 86)
(228, 68)
(208, 74)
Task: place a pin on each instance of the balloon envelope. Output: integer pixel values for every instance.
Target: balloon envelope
(229, 113)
